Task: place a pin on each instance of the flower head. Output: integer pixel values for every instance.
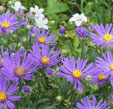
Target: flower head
(62, 30)
(36, 12)
(9, 22)
(104, 38)
(7, 93)
(18, 6)
(105, 64)
(26, 89)
(86, 104)
(100, 77)
(74, 72)
(15, 67)
(43, 38)
(78, 19)
(82, 32)
(50, 71)
(41, 22)
(3, 55)
(44, 56)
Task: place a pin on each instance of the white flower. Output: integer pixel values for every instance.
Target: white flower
(36, 11)
(41, 22)
(78, 19)
(17, 6)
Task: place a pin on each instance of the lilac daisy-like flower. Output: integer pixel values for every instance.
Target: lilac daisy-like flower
(87, 104)
(15, 67)
(8, 23)
(100, 77)
(42, 38)
(7, 93)
(104, 36)
(44, 56)
(3, 55)
(106, 64)
(74, 72)
(82, 32)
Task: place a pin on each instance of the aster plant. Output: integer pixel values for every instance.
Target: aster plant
(104, 36)
(16, 68)
(7, 93)
(86, 104)
(42, 38)
(75, 72)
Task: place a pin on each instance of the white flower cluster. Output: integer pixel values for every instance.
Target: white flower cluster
(38, 16)
(35, 13)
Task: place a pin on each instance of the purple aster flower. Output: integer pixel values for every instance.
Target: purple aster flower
(44, 56)
(62, 30)
(82, 32)
(42, 38)
(74, 72)
(7, 93)
(15, 67)
(8, 23)
(86, 104)
(104, 36)
(26, 89)
(100, 77)
(3, 55)
(105, 64)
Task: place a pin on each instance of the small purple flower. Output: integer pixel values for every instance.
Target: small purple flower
(86, 104)
(50, 71)
(44, 56)
(43, 38)
(105, 64)
(20, 12)
(104, 36)
(73, 72)
(62, 30)
(15, 68)
(82, 32)
(7, 93)
(26, 89)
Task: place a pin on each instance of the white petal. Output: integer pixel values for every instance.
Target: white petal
(41, 10)
(83, 17)
(72, 19)
(78, 23)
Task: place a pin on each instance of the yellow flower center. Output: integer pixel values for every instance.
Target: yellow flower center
(111, 66)
(45, 60)
(1, 61)
(19, 71)
(107, 37)
(41, 40)
(101, 77)
(5, 24)
(3, 96)
(77, 74)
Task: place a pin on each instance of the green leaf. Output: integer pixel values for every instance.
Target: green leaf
(55, 7)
